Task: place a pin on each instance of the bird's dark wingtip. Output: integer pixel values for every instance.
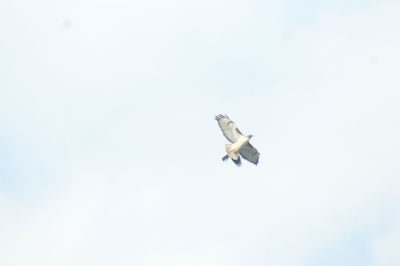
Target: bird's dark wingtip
(238, 162)
(220, 116)
(226, 157)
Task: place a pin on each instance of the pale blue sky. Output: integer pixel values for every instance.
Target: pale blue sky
(110, 154)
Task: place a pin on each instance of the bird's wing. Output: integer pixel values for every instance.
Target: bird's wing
(228, 127)
(249, 153)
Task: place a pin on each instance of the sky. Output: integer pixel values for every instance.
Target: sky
(110, 154)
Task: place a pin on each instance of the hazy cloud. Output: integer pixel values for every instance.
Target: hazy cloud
(110, 154)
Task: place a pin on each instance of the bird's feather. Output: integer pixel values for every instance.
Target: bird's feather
(249, 153)
(228, 127)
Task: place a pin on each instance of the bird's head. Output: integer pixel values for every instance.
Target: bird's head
(250, 136)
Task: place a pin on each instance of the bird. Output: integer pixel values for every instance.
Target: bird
(240, 143)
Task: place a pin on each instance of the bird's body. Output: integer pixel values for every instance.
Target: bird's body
(235, 147)
(240, 143)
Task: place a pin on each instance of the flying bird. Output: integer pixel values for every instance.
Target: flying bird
(240, 143)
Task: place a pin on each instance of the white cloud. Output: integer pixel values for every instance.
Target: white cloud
(385, 248)
(122, 194)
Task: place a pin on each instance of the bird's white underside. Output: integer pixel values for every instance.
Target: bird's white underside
(233, 149)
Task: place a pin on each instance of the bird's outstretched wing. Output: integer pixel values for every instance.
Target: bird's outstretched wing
(228, 127)
(249, 153)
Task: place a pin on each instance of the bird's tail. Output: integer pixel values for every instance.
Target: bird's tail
(231, 154)
(234, 155)
(237, 161)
